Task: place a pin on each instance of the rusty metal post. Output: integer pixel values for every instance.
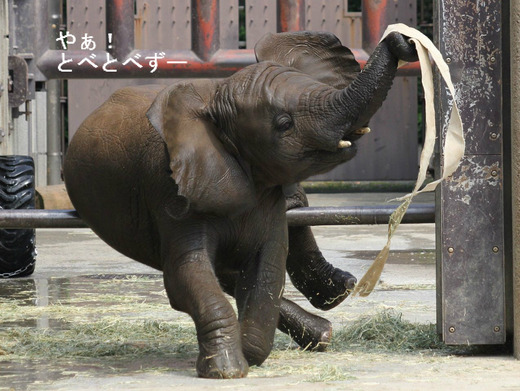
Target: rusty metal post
(205, 28)
(374, 22)
(515, 164)
(470, 225)
(291, 15)
(120, 23)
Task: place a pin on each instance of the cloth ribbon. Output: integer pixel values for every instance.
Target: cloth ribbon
(453, 144)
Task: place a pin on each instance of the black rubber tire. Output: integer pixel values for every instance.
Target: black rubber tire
(17, 246)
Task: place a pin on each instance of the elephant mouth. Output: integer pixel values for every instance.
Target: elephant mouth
(346, 143)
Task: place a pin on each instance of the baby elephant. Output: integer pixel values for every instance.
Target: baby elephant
(192, 179)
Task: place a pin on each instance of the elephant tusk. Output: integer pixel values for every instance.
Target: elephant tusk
(344, 144)
(364, 130)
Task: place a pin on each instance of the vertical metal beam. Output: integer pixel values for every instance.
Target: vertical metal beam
(291, 15)
(470, 250)
(374, 22)
(120, 22)
(4, 75)
(54, 153)
(205, 27)
(515, 166)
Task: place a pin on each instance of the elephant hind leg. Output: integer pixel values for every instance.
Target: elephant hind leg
(310, 331)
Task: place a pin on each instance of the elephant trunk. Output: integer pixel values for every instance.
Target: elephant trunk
(363, 97)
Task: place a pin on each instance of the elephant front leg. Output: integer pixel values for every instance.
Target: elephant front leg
(192, 287)
(258, 293)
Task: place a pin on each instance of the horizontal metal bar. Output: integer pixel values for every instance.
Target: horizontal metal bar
(358, 215)
(421, 213)
(39, 218)
(73, 64)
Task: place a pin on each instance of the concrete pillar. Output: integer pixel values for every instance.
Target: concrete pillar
(515, 165)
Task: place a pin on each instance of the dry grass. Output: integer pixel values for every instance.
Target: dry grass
(109, 324)
(386, 331)
(116, 337)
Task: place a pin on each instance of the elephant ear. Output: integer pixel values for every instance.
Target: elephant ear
(207, 175)
(318, 54)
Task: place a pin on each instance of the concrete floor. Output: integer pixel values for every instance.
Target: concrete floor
(75, 259)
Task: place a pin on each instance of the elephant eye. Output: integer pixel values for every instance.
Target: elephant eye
(283, 122)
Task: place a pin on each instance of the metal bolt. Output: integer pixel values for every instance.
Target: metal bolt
(495, 249)
(448, 60)
(493, 136)
(496, 329)
(494, 173)
(492, 59)
(451, 250)
(451, 329)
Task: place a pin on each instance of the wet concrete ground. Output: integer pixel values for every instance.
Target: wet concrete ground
(79, 280)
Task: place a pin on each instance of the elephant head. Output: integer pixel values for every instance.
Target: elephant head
(295, 113)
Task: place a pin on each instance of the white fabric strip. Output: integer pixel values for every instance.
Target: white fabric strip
(453, 144)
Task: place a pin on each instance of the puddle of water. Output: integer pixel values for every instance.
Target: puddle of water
(51, 291)
(398, 257)
(39, 308)
(43, 303)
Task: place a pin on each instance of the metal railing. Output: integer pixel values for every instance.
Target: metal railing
(356, 215)
(206, 59)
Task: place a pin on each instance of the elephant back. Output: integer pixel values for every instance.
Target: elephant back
(107, 172)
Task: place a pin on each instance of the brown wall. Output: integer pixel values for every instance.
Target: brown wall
(389, 152)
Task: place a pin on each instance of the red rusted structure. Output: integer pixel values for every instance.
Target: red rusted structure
(206, 59)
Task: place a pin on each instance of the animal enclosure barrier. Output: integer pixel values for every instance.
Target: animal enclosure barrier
(205, 34)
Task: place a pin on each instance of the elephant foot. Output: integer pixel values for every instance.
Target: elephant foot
(336, 289)
(325, 288)
(223, 365)
(310, 331)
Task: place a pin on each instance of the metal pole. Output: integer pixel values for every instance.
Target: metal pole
(39, 218)
(205, 27)
(291, 15)
(374, 22)
(515, 166)
(54, 153)
(120, 23)
(4, 74)
(422, 213)
(358, 215)
(472, 269)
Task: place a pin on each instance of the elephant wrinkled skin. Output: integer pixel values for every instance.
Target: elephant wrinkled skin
(192, 179)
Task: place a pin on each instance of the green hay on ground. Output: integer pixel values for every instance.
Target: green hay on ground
(99, 339)
(386, 331)
(380, 335)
